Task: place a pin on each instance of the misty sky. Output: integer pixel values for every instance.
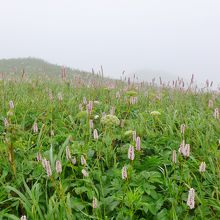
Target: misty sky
(177, 37)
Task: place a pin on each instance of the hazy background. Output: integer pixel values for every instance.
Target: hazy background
(148, 37)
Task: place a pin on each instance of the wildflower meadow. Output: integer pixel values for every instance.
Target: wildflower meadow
(95, 148)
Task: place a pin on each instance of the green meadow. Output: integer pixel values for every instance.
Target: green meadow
(91, 148)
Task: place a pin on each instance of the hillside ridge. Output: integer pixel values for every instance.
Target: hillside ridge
(31, 65)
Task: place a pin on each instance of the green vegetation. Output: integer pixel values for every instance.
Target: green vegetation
(33, 66)
(83, 127)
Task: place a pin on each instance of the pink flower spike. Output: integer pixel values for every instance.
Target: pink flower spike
(48, 168)
(73, 160)
(68, 155)
(85, 173)
(202, 167)
(58, 167)
(182, 145)
(95, 134)
(39, 158)
(138, 144)
(184, 149)
(35, 127)
(191, 199)
(89, 107)
(187, 150)
(94, 203)
(124, 174)
(83, 160)
(44, 163)
(131, 153)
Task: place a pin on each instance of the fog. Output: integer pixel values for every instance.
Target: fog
(146, 37)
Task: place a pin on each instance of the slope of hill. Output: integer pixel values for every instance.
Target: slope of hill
(34, 66)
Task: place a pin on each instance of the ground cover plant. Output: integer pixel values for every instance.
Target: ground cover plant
(79, 149)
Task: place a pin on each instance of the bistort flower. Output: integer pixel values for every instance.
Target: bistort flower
(191, 199)
(124, 174)
(131, 153)
(202, 167)
(58, 167)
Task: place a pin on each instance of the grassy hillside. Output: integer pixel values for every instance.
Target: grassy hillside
(112, 151)
(34, 66)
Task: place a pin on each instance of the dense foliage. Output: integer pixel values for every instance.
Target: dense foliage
(92, 131)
